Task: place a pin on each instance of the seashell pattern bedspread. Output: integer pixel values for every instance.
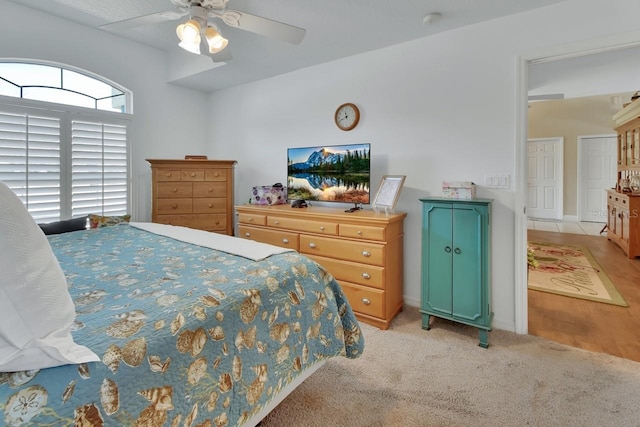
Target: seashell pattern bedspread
(188, 336)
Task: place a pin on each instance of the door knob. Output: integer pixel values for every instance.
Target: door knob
(447, 249)
(457, 251)
(365, 301)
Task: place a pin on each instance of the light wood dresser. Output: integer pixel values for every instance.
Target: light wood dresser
(193, 193)
(362, 250)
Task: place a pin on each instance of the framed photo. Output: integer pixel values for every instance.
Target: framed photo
(388, 193)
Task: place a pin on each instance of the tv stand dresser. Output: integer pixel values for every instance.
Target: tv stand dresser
(362, 250)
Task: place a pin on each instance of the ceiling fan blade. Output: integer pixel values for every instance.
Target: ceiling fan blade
(222, 56)
(263, 26)
(140, 21)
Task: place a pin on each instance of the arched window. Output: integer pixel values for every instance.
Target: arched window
(64, 161)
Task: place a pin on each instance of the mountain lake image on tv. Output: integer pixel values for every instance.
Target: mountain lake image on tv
(331, 173)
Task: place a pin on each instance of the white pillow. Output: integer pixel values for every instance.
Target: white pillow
(36, 309)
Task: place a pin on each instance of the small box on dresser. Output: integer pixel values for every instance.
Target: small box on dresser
(193, 193)
(362, 250)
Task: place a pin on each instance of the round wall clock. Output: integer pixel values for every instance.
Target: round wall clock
(347, 116)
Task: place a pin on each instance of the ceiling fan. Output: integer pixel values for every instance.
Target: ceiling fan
(201, 24)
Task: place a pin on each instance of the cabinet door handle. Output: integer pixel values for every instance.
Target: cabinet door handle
(365, 301)
(366, 254)
(447, 249)
(285, 241)
(247, 234)
(366, 275)
(312, 245)
(457, 251)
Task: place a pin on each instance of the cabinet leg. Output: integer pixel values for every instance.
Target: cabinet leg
(483, 334)
(425, 322)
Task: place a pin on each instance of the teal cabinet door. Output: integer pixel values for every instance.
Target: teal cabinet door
(437, 296)
(456, 263)
(467, 264)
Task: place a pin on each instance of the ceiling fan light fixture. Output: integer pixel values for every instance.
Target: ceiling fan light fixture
(215, 40)
(193, 47)
(189, 31)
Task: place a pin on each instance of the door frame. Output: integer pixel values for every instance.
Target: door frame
(559, 159)
(597, 45)
(581, 170)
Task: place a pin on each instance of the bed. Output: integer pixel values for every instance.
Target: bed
(191, 328)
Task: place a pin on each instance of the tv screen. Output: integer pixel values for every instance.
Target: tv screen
(329, 173)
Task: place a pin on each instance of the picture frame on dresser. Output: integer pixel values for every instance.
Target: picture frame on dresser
(388, 193)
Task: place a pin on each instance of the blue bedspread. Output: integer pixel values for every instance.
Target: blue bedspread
(187, 335)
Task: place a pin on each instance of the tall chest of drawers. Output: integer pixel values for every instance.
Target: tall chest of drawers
(193, 193)
(362, 250)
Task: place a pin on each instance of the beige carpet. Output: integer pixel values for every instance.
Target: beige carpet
(570, 271)
(410, 377)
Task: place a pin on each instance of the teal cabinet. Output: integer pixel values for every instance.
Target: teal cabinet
(456, 263)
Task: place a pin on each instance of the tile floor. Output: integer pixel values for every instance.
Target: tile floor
(589, 228)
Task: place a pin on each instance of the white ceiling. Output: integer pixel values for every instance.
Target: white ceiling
(335, 29)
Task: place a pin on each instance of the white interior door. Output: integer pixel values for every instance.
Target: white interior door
(596, 173)
(544, 162)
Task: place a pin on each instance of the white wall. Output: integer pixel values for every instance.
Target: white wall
(439, 108)
(169, 120)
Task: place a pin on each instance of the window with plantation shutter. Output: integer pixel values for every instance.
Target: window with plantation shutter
(64, 140)
(30, 161)
(98, 168)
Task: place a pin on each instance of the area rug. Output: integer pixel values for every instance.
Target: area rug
(571, 271)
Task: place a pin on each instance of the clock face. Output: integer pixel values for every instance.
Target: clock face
(347, 116)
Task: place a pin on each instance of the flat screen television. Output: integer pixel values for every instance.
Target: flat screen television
(330, 173)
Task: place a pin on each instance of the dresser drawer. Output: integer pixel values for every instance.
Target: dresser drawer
(209, 205)
(174, 206)
(168, 175)
(362, 232)
(273, 237)
(168, 190)
(362, 274)
(209, 189)
(349, 250)
(215, 175)
(192, 175)
(244, 218)
(364, 300)
(319, 227)
(209, 222)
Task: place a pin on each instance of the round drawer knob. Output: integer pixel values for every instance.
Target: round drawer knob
(247, 234)
(359, 232)
(175, 189)
(366, 275)
(321, 228)
(216, 174)
(210, 205)
(365, 301)
(168, 174)
(366, 254)
(312, 245)
(218, 222)
(250, 219)
(285, 240)
(174, 206)
(193, 174)
(276, 222)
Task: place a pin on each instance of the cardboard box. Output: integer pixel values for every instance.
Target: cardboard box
(458, 189)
